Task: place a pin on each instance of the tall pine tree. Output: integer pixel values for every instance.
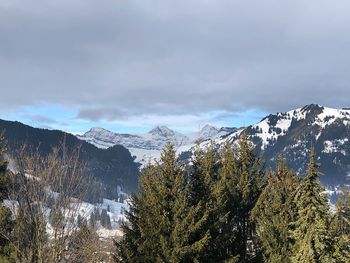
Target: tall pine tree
(251, 181)
(227, 203)
(163, 225)
(341, 227)
(273, 212)
(140, 242)
(311, 234)
(229, 186)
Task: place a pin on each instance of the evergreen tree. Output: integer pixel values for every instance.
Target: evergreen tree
(108, 222)
(311, 227)
(164, 227)
(229, 188)
(95, 216)
(92, 220)
(341, 227)
(225, 195)
(105, 219)
(251, 181)
(273, 212)
(201, 175)
(133, 246)
(341, 220)
(141, 242)
(201, 180)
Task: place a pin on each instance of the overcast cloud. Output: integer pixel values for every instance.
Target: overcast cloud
(119, 59)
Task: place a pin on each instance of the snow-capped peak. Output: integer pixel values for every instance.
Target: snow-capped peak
(162, 131)
(270, 128)
(149, 145)
(97, 130)
(209, 129)
(208, 132)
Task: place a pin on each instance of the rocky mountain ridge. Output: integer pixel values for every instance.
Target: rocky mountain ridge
(149, 145)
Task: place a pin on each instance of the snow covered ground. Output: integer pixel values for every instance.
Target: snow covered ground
(115, 210)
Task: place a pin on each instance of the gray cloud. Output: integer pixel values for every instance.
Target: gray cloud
(39, 118)
(115, 59)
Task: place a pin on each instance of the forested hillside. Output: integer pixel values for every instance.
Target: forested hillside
(112, 167)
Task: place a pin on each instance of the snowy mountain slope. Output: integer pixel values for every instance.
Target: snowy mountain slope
(155, 139)
(291, 135)
(146, 147)
(315, 117)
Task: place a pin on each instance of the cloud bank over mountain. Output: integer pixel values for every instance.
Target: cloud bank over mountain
(123, 60)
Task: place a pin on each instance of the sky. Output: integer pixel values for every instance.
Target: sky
(129, 65)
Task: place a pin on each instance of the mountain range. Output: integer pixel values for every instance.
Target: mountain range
(146, 147)
(115, 159)
(287, 134)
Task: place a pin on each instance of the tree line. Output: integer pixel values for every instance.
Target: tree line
(225, 207)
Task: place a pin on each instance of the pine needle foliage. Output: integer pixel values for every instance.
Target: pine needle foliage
(251, 181)
(313, 241)
(273, 212)
(341, 227)
(163, 226)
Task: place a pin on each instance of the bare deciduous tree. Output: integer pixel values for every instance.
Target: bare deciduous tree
(47, 194)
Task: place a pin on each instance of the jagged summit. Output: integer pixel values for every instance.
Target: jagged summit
(312, 107)
(150, 144)
(209, 129)
(162, 131)
(208, 132)
(97, 129)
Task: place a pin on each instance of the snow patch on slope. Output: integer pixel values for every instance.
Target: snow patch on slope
(330, 115)
(334, 145)
(269, 132)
